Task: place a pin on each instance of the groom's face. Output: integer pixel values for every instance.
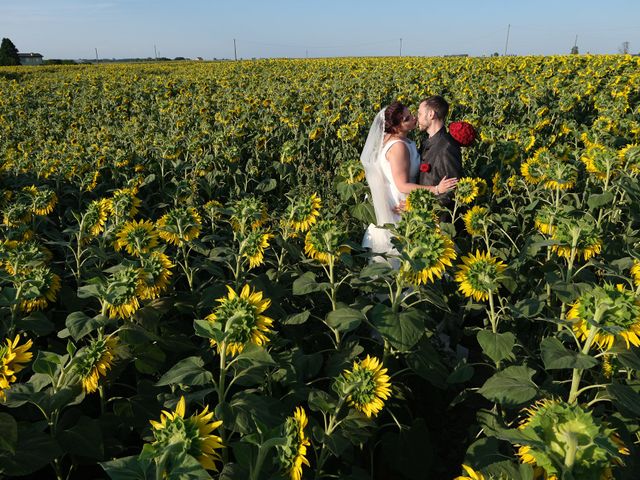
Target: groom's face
(424, 117)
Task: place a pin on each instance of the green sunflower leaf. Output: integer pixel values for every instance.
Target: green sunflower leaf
(625, 397)
(189, 371)
(345, 319)
(307, 284)
(296, 318)
(47, 363)
(556, 356)
(597, 200)
(80, 324)
(129, 468)
(510, 387)
(402, 330)
(9, 437)
(497, 346)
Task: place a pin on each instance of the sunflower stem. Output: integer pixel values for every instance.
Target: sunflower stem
(221, 394)
(572, 449)
(492, 314)
(185, 266)
(577, 372)
(569, 276)
(255, 469)
(329, 429)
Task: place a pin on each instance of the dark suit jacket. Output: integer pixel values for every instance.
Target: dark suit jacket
(442, 152)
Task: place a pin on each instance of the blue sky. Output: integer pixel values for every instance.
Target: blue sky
(316, 28)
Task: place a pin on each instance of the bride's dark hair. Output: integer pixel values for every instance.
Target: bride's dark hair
(393, 117)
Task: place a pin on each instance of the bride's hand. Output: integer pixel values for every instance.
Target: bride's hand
(447, 184)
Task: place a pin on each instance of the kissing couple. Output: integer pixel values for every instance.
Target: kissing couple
(394, 167)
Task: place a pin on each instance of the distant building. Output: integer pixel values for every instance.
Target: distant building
(30, 58)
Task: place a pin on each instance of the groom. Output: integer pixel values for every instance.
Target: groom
(440, 153)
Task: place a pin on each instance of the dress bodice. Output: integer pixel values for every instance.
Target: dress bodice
(414, 165)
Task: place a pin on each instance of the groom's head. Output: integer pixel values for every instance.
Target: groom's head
(433, 110)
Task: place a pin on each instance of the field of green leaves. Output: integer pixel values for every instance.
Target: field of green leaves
(183, 293)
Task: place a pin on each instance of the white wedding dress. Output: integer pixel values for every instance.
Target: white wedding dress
(384, 193)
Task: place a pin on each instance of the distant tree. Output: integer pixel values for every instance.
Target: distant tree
(574, 50)
(8, 53)
(495, 54)
(624, 48)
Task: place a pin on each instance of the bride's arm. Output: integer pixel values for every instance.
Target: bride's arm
(398, 157)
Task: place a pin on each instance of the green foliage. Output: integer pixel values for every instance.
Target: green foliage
(8, 53)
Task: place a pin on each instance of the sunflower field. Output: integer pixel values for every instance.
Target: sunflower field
(183, 293)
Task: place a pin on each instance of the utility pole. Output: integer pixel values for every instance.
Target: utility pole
(97, 60)
(155, 52)
(235, 52)
(506, 45)
(575, 44)
(307, 53)
(400, 47)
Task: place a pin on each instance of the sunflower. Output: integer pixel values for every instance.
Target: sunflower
(124, 203)
(119, 293)
(426, 256)
(13, 359)
(560, 175)
(534, 169)
(581, 232)
(23, 256)
(512, 182)
(95, 361)
(366, 386)
(253, 246)
(95, 217)
(635, 272)
(545, 220)
(351, 171)
(482, 185)
(566, 438)
(630, 157)
(16, 214)
(530, 142)
(506, 151)
(315, 133)
(467, 190)
(242, 320)
(213, 208)
(423, 202)
(137, 237)
(303, 212)
(470, 474)
(475, 219)
(289, 152)
(42, 200)
(496, 185)
(248, 213)
(193, 435)
(179, 226)
(613, 310)
(600, 160)
(479, 275)
(292, 455)
(154, 275)
(324, 242)
(38, 287)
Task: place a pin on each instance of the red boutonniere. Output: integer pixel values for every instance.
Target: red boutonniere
(425, 167)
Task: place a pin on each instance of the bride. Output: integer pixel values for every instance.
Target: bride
(391, 162)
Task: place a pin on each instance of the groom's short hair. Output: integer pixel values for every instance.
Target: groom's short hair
(439, 106)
